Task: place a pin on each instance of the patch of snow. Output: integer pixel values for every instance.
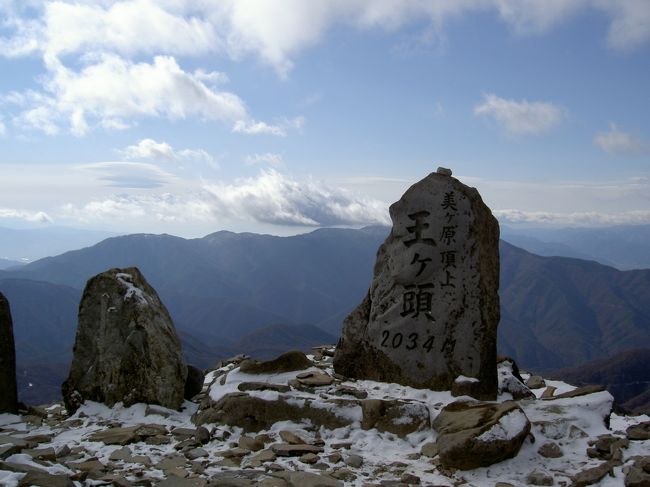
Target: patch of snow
(131, 289)
(508, 427)
(463, 379)
(7, 419)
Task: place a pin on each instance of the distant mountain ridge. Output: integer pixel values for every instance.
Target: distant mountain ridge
(225, 290)
(622, 246)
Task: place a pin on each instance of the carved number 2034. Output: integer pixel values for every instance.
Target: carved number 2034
(411, 342)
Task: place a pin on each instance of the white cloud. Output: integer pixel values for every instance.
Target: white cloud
(274, 198)
(252, 127)
(113, 89)
(587, 218)
(3, 129)
(162, 151)
(266, 158)
(270, 198)
(276, 32)
(630, 25)
(617, 142)
(30, 216)
(521, 117)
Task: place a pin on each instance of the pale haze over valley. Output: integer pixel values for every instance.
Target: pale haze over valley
(278, 117)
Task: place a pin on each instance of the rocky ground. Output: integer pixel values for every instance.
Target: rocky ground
(263, 424)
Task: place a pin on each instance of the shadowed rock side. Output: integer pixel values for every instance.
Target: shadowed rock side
(8, 394)
(126, 347)
(430, 317)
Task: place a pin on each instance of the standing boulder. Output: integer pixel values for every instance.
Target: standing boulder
(430, 317)
(8, 391)
(126, 347)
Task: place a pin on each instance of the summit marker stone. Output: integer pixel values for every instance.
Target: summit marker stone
(430, 317)
(8, 390)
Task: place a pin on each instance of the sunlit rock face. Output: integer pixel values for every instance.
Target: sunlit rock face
(430, 317)
(126, 348)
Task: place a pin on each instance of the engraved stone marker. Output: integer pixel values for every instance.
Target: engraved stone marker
(430, 317)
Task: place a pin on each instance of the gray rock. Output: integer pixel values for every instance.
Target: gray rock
(638, 474)
(473, 434)
(252, 444)
(580, 391)
(306, 479)
(592, 475)
(535, 382)
(354, 461)
(432, 310)
(126, 347)
(550, 450)
(394, 416)
(287, 362)
(429, 449)
(539, 478)
(291, 438)
(256, 414)
(44, 479)
(8, 391)
(315, 379)
(639, 432)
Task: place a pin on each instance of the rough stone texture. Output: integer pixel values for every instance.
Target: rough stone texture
(8, 391)
(474, 434)
(432, 310)
(126, 347)
(638, 474)
(255, 414)
(394, 416)
(639, 432)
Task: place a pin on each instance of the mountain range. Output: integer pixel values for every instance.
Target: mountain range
(259, 294)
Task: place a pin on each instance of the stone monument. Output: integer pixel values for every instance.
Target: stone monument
(8, 391)
(126, 348)
(430, 317)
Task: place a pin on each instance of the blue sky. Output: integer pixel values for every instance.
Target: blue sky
(190, 117)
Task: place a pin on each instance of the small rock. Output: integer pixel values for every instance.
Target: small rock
(444, 171)
(202, 435)
(44, 479)
(429, 449)
(291, 438)
(287, 362)
(410, 479)
(591, 476)
(249, 443)
(639, 432)
(354, 461)
(539, 478)
(263, 386)
(315, 379)
(335, 457)
(264, 456)
(309, 458)
(550, 450)
(580, 391)
(535, 382)
(548, 392)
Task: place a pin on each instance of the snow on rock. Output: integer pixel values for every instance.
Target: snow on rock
(163, 443)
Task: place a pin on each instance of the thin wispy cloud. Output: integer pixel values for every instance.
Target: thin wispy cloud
(521, 117)
(279, 129)
(128, 175)
(615, 141)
